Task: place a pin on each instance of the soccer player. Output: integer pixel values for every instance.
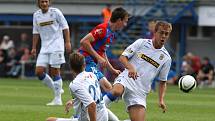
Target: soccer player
(85, 87)
(144, 60)
(95, 44)
(49, 25)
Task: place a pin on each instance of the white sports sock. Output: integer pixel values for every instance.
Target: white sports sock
(106, 100)
(112, 116)
(48, 82)
(58, 84)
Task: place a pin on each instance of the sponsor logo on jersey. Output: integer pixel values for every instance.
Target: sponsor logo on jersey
(46, 23)
(98, 31)
(148, 59)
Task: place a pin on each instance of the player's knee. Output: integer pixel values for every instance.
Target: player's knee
(51, 119)
(39, 72)
(55, 72)
(116, 93)
(117, 90)
(105, 84)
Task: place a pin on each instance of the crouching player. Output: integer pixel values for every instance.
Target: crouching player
(87, 93)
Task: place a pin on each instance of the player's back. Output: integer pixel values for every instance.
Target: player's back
(86, 89)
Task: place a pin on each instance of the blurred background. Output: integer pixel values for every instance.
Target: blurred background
(192, 38)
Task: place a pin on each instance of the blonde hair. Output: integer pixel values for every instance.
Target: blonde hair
(163, 23)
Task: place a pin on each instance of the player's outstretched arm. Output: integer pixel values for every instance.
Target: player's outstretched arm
(85, 43)
(110, 67)
(132, 72)
(162, 91)
(92, 111)
(68, 105)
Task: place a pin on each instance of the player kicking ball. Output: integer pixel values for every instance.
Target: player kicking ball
(144, 60)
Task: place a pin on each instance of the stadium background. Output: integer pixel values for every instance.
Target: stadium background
(82, 15)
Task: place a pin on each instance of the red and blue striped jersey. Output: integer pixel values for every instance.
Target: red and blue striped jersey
(103, 36)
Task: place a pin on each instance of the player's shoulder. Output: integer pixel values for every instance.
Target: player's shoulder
(142, 41)
(37, 12)
(164, 50)
(77, 81)
(102, 25)
(54, 10)
(90, 75)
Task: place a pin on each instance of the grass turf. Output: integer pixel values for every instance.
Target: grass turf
(24, 100)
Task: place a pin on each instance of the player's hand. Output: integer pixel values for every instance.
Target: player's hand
(162, 105)
(132, 73)
(68, 47)
(117, 72)
(33, 53)
(68, 105)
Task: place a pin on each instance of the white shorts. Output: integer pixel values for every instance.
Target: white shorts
(53, 59)
(131, 96)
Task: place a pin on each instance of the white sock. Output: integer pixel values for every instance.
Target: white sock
(48, 82)
(58, 84)
(112, 116)
(106, 100)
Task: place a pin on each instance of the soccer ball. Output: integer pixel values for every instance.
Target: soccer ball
(187, 83)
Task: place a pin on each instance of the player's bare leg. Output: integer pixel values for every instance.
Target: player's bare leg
(117, 90)
(136, 113)
(105, 84)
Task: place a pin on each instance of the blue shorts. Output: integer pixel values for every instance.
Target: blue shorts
(92, 67)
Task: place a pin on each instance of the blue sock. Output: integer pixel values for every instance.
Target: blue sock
(58, 77)
(41, 77)
(110, 96)
(104, 93)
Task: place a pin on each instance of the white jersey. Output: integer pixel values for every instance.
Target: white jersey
(148, 62)
(49, 26)
(86, 90)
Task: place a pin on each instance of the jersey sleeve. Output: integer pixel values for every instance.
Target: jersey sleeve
(131, 49)
(98, 32)
(61, 20)
(81, 93)
(165, 71)
(35, 26)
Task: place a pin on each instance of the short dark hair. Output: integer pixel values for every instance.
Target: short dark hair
(77, 62)
(38, 3)
(163, 23)
(118, 13)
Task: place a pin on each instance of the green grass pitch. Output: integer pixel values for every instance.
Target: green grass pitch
(24, 100)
